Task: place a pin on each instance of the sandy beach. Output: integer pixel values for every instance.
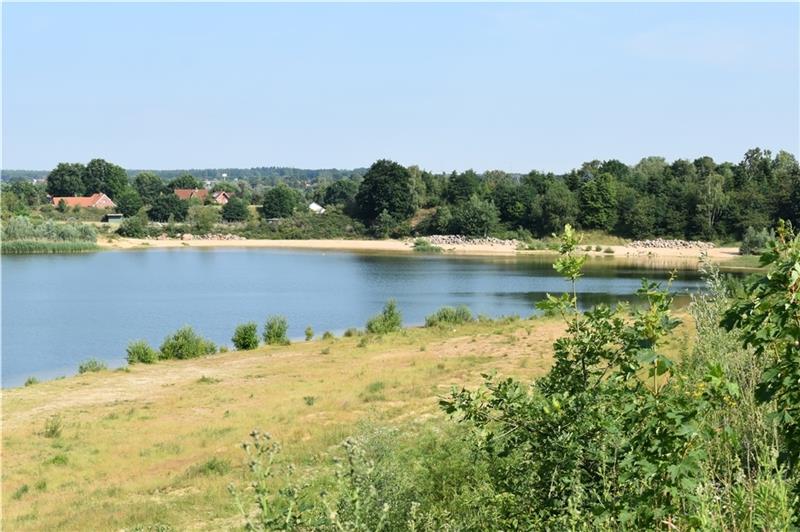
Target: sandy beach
(620, 252)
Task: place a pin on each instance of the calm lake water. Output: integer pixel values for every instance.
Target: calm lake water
(60, 310)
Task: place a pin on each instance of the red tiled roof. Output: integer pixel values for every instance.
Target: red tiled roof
(84, 201)
(189, 193)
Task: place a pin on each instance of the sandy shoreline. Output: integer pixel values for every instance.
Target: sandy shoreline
(620, 252)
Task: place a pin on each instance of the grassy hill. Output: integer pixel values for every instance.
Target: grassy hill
(158, 445)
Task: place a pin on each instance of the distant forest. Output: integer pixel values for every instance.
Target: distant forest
(699, 198)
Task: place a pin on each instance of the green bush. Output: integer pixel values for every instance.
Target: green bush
(449, 316)
(30, 381)
(309, 333)
(135, 226)
(245, 336)
(91, 365)
(327, 335)
(140, 351)
(422, 245)
(350, 332)
(275, 331)
(185, 343)
(389, 320)
(755, 242)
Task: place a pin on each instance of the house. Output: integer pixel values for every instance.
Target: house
(97, 200)
(316, 208)
(221, 197)
(191, 193)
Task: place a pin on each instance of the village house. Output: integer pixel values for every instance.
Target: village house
(221, 197)
(97, 200)
(191, 193)
(201, 194)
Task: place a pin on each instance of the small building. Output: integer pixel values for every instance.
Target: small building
(221, 197)
(95, 201)
(316, 208)
(113, 218)
(191, 193)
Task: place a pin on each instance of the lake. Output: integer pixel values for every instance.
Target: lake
(59, 310)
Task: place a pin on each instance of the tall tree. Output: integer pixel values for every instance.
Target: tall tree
(149, 186)
(280, 201)
(105, 177)
(386, 186)
(66, 179)
(185, 181)
(598, 203)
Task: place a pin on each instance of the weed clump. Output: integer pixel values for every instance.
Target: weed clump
(91, 366)
(30, 381)
(449, 316)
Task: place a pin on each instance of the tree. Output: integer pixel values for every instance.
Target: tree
(66, 179)
(556, 208)
(476, 217)
(201, 218)
(149, 186)
(184, 181)
(598, 203)
(461, 187)
(341, 192)
(386, 186)
(168, 205)
(128, 202)
(280, 202)
(102, 176)
(235, 210)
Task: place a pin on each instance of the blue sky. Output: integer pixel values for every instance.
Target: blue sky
(445, 86)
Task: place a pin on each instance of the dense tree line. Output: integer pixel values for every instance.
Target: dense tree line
(687, 199)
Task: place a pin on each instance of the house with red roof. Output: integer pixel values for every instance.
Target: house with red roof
(97, 200)
(201, 194)
(191, 193)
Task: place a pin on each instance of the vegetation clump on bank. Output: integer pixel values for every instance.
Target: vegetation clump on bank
(21, 235)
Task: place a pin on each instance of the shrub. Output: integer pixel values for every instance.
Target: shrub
(245, 336)
(424, 246)
(140, 351)
(134, 226)
(389, 320)
(30, 381)
(327, 335)
(185, 343)
(449, 316)
(608, 250)
(235, 210)
(275, 331)
(92, 365)
(755, 242)
(598, 248)
(309, 333)
(201, 219)
(350, 332)
(309, 400)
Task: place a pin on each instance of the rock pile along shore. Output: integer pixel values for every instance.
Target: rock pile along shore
(188, 236)
(662, 243)
(460, 240)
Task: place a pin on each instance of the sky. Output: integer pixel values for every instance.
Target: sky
(444, 86)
